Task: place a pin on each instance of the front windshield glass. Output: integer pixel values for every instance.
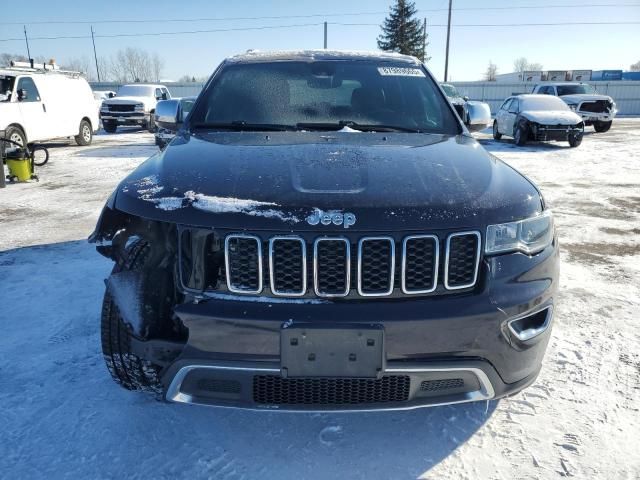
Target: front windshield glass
(186, 104)
(574, 89)
(136, 91)
(542, 102)
(325, 95)
(6, 87)
(450, 90)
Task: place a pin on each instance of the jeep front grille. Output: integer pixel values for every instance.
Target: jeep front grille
(369, 266)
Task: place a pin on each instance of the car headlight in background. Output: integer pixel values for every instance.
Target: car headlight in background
(527, 236)
(139, 107)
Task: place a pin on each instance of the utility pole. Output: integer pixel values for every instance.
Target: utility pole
(95, 55)
(325, 35)
(424, 40)
(446, 58)
(26, 39)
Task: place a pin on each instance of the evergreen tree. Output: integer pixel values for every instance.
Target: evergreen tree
(402, 32)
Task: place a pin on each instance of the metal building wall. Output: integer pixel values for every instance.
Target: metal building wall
(626, 94)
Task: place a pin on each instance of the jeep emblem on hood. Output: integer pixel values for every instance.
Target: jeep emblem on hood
(332, 216)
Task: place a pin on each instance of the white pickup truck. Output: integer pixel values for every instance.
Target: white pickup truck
(133, 105)
(595, 109)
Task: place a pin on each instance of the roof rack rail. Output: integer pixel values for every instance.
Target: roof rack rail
(32, 66)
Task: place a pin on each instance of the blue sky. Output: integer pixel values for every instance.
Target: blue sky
(557, 48)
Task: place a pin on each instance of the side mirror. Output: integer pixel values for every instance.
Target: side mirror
(111, 95)
(479, 116)
(22, 95)
(164, 95)
(167, 115)
(465, 98)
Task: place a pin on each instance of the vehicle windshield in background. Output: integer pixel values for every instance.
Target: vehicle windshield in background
(545, 102)
(327, 95)
(450, 90)
(575, 89)
(186, 105)
(6, 87)
(135, 91)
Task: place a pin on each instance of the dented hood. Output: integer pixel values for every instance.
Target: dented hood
(274, 182)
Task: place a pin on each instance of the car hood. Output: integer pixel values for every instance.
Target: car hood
(584, 98)
(552, 117)
(274, 182)
(456, 100)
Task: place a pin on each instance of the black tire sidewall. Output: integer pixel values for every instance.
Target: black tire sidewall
(110, 127)
(496, 133)
(80, 140)
(11, 130)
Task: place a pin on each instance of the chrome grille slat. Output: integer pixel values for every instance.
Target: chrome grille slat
(371, 264)
(469, 261)
(317, 280)
(422, 268)
(240, 265)
(275, 268)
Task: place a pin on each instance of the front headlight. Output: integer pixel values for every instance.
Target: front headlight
(139, 107)
(527, 236)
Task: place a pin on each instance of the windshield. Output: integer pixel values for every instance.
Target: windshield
(325, 95)
(186, 104)
(136, 91)
(450, 90)
(6, 87)
(542, 102)
(574, 89)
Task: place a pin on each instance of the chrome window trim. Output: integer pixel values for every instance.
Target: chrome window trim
(477, 262)
(347, 263)
(272, 240)
(226, 263)
(404, 264)
(393, 266)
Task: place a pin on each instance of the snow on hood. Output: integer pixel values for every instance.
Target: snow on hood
(149, 190)
(581, 97)
(552, 117)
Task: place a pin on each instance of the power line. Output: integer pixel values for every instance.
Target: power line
(273, 27)
(314, 15)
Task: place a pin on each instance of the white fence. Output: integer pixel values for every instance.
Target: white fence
(625, 93)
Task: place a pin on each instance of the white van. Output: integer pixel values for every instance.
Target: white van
(39, 104)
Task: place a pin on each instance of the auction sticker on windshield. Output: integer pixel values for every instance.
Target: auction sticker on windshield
(400, 72)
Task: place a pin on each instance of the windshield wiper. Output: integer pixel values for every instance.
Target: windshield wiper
(355, 126)
(241, 125)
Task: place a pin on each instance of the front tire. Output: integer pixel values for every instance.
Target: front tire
(496, 134)
(16, 135)
(109, 127)
(602, 127)
(127, 369)
(575, 140)
(151, 124)
(520, 135)
(85, 134)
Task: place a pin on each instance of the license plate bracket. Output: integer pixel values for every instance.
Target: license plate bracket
(332, 351)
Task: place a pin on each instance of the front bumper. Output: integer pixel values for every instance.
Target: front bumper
(590, 117)
(460, 346)
(125, 118)
(545, 133)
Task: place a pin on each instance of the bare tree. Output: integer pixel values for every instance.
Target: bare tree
(491, 72)
(82, 65)
(635, 67)
(534, 67)
(156, 67)
(520, 65)
(135, 65)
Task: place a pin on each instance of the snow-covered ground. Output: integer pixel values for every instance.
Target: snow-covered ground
(61, 416)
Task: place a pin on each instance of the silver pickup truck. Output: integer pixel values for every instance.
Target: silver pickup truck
(595, 109)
